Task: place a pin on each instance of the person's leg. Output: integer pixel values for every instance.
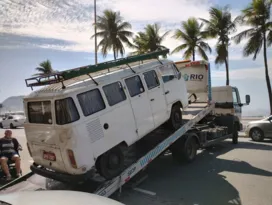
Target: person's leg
(4, 165)
(17, 161)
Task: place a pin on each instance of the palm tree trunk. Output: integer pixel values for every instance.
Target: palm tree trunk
(227, 71)
(267, 75)
(114, 54)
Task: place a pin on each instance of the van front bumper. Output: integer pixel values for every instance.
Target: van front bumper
(62, 177)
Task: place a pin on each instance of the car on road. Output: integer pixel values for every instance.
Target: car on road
(260, 129)
(54, 198)
(13, 121)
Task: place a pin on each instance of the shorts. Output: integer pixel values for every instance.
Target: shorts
(9, 155)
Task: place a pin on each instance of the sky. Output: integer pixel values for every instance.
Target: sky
(33, 31)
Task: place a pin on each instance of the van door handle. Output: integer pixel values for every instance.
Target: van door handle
(167, 92)
(152, 99)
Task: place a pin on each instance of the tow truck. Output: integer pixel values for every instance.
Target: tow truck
(206, 122)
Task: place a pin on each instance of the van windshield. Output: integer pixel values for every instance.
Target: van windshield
(39, 112)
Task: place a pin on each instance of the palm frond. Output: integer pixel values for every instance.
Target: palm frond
(254, 44)
(269, 38)
(244, 34)
(179, 48)
(188, 53)
(202, 53)
(205, 46)
(42, 70)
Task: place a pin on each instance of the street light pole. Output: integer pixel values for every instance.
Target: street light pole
(95, 37)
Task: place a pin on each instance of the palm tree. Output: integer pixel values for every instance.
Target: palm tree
(149, 40)
(220, 26)
(192, 37)
(113, 31)
(44, 68)
(257, 16)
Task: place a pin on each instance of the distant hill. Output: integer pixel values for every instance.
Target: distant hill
(14, 103)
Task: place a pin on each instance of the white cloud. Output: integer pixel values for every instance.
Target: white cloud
(72, 20)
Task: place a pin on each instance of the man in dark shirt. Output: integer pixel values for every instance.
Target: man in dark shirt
(9, 147)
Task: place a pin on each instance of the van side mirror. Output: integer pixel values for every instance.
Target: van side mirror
(247, 99)
(179, 75)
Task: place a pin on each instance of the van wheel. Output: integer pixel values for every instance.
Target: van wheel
(111, 163)
(175, 120)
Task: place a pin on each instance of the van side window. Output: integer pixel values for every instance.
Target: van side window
(168, 72)
(66, 111)
(91, 102)
(151, 79)
(114, 93)
(134, 85)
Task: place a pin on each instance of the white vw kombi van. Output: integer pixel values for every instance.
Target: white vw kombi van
(75, 131)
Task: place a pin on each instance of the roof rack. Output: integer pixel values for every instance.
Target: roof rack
(60, 77)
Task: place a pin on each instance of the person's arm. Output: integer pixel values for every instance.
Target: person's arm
(17, 145)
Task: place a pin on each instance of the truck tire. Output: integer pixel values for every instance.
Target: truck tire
(11, 126)
(111, 163)
(175, 121)
(184, 150)
(235, 134)
(256, 134)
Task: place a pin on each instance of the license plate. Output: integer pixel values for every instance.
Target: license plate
(49, 156)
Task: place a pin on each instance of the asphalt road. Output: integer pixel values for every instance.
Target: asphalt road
(222, 175)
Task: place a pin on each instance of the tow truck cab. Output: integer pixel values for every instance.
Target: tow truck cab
(197, 75)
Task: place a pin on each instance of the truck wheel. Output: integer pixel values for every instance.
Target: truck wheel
(175, 121)
(235, 134)
(111, 163)
(11, 126)
(256, 134)
(185, 150)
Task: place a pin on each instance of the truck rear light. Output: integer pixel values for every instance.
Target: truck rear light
(29, 150)
(72, 158)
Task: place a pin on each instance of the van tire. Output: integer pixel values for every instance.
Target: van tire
(175, 121)
(111, 163)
